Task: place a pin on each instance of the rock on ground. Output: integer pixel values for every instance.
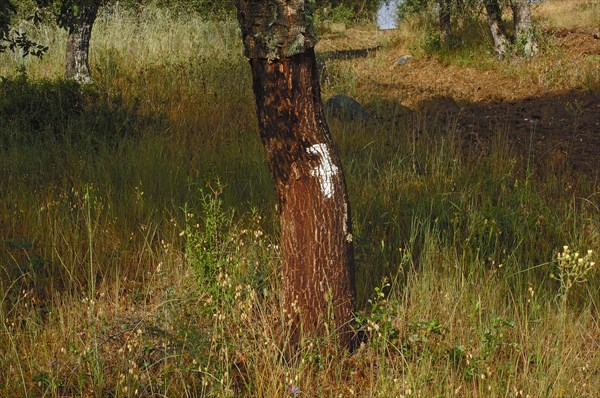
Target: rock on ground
(344, 107)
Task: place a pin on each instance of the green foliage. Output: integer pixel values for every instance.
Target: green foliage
(495, 337)
(331, 10)
(382, 327)
(14, 40)
(346, 10)
(67, 12)
(213, 9)
(7, 9)
(460, 8)
(207, 8)
(377, 324)
(207, 249)
(495, 340)
(408, 8)
(216, 246)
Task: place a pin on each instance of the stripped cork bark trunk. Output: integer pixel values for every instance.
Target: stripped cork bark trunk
(316, 235)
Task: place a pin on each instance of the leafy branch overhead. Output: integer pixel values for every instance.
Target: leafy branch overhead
(68, 12)
(13, 40)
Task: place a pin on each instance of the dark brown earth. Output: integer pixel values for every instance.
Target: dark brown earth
(550, 105)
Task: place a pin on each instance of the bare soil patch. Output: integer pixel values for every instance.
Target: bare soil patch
(559, 122)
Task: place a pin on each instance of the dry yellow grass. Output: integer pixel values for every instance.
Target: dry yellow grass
(570, 13)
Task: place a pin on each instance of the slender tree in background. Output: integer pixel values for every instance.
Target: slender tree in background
(78, 17)
(494, 18)
(445, 15)
(453, 13)
(524, 38)
(316, 235)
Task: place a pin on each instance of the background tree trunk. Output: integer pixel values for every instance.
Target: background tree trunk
(316, 235)
(445, 21)
(524, 39)
(494, 17)
(78, 43)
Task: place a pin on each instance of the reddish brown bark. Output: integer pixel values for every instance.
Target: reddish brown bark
(316, 235)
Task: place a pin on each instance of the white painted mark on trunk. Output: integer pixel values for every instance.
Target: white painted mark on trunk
(325, 170)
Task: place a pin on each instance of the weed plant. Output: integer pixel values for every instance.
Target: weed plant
(139, 253)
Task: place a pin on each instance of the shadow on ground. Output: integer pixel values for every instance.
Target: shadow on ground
(560, 130)
(63, 111)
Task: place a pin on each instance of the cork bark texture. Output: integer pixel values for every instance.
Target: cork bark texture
(524, 37)
(494, 18)
(316, 233)
(78, 43)
(276, 29)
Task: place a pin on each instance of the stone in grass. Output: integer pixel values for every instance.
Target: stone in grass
(403, 60)
(344, 107)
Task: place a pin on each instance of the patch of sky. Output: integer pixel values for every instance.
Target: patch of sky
(387, 14)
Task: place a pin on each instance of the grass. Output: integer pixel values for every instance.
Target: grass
(139, 253)
(473, 48)
(571, 14)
